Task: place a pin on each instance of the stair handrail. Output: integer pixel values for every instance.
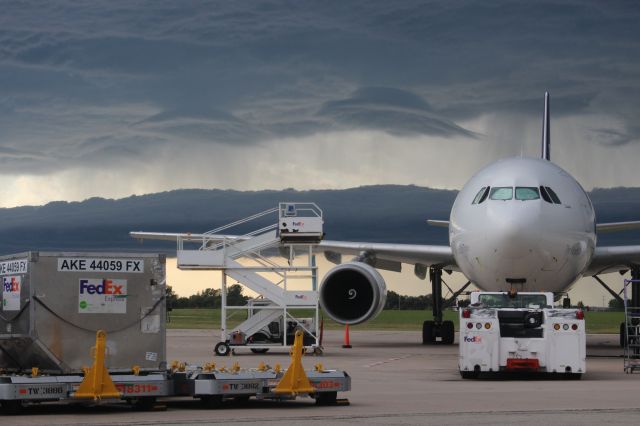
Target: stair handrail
(241, 221)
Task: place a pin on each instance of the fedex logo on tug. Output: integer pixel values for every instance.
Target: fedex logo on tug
(108, 287)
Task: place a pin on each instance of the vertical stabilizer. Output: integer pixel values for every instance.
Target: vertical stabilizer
(546, 134)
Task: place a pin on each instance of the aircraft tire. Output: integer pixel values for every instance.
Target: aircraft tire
(448, 332)
(428, 332)
(623, 334)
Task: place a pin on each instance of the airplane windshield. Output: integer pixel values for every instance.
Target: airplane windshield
(524, 193)
(479, 195)
(502, 193)
(553, 195)
(519, 301)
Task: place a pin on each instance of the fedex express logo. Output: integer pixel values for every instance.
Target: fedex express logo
(102, 296)
(107, 287)
(474, 339)
(11, 293)
(297, 224)
(11, 284)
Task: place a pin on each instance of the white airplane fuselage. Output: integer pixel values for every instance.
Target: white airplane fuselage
(524, 242)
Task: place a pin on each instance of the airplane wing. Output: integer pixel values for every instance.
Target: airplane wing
(617, 226)
(389, 256)
(613, 259)
(173, 236)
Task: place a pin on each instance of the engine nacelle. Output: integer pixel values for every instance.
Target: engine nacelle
(353, 293)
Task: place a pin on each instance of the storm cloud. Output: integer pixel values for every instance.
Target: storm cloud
(121, 97)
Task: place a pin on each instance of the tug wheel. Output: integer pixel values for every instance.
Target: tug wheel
(222, 349)
(469, 374)
(573, 376)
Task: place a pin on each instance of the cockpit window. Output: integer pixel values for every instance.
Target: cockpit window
(524, 193)
(545, 196)
(484, 196)
(553, 195)
(481, 195)
(502, 193)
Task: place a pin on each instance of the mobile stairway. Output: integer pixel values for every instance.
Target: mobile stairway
(631, 330)
(268, 261)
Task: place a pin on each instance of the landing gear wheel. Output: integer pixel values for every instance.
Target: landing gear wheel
(448, 332)
(428, 332)
(222, 349)
(259, 338)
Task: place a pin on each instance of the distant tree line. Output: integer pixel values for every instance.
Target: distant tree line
(399, 302)
(211, 298)
(207, 298)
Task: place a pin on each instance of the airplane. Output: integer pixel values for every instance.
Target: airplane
(519, 224)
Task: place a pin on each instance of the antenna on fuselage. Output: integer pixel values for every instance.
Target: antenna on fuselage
(546, 134)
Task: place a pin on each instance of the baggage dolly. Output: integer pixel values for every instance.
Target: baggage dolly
(209, 383)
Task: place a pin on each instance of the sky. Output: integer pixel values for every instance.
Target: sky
(117, 98)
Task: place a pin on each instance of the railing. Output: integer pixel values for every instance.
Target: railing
(631, 331)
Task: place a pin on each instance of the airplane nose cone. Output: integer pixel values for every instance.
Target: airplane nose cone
(514, 233)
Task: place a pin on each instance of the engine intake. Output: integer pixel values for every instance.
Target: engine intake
(353, 293)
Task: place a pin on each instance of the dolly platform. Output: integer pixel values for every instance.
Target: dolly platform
(210, 383)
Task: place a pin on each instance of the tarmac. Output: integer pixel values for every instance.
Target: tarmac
(395, 381)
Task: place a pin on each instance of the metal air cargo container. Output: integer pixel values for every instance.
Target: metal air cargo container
(53, 304)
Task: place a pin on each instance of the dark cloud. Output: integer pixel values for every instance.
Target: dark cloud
(120, 79)
(611, 137)
(391, 110)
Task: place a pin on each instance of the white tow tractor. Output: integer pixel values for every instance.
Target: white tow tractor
(520, 332)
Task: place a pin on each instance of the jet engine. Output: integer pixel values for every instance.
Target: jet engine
(353, 293)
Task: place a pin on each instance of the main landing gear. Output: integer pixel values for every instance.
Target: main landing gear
(435, 329)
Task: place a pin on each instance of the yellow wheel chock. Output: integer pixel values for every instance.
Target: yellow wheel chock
(97, 383)
(295, 380)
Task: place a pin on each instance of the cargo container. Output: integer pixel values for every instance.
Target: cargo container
(54, 302)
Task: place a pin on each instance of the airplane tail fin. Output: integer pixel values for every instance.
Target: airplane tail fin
(546, 134)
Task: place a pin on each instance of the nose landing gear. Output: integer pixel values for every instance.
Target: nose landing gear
(435, 329)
